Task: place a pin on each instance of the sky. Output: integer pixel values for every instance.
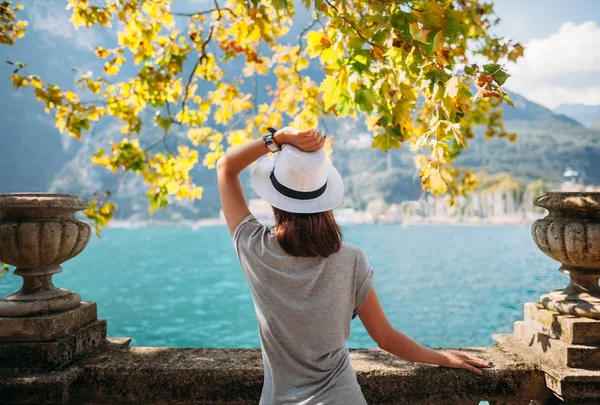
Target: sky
(561, 64)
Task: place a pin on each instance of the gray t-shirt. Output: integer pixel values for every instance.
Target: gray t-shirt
(304, 306)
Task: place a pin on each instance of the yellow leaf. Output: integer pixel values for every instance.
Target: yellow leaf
(316, 43)
(329, 56)
(111, 70)
(417, 33)
(331, 91)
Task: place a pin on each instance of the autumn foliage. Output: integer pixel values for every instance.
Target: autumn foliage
(406, 66)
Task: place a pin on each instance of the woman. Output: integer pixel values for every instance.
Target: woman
(307, 285)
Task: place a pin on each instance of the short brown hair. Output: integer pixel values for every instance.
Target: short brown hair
(307, 235)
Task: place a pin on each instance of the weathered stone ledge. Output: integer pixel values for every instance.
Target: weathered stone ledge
(116, 373)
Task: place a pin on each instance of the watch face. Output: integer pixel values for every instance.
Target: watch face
(270, 144)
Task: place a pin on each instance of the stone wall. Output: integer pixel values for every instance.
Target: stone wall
(116, 373)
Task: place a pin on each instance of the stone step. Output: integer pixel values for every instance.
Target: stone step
(556, 350)
(47, 327)
(122, 342)
(577, 386)
(568, 328)
(52, 354)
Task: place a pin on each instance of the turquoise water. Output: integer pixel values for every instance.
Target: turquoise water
(446, 286)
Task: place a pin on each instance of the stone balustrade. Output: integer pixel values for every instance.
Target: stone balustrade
(54, 350)
(117, 374)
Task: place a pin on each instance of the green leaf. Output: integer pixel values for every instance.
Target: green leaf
(364, 98)
(434, 16)
(162, 122)
(344, 106)
(470, 69)
(500, 77)
(491, 68)
(385, 142)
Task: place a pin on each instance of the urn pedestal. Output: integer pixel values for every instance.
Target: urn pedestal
(42, 326)
(561, 333)
(570, 234)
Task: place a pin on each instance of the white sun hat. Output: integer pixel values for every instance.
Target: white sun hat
(297, 181)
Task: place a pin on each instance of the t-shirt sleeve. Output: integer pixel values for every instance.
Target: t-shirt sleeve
(364, 282)
(246, 234)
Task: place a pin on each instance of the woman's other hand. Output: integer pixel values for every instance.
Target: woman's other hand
(462, 360)
(308, 140)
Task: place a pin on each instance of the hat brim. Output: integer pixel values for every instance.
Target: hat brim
(331, 198)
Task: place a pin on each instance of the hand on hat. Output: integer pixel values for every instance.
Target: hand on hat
(308, 140)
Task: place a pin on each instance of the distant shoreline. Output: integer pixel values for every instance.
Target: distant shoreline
(427, 221)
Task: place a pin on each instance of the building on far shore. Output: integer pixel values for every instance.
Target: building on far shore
(344, 216)
(573, 182)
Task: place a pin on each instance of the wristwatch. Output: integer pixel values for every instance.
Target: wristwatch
(269, 141)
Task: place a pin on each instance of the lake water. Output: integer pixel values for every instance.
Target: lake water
(446, 286)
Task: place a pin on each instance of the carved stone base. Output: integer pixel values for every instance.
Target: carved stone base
(53, 354)
(38, 295)
(47, 327)
(568, 302)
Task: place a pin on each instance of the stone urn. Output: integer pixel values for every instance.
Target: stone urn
(38, 232)
(570, 234)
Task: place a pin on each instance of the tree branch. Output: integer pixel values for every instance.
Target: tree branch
(163, 140)
(300, 43)
(201, 58)
(217, 8)
(343, 16)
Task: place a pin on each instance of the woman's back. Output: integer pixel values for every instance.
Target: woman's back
(306, 283)
(304, 306)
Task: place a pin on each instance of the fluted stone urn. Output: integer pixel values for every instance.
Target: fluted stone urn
(38, 232)
(570, 234)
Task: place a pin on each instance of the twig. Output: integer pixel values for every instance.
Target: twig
(100, 102)
(322, 25)
(217, 8)
(201, 58)
(163, 140)
(255, 83)
(300, 43)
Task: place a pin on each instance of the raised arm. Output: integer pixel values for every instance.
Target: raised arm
(231, 165)
(393, 341)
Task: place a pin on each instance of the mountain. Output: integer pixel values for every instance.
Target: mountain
(587, 115)
(546, 145)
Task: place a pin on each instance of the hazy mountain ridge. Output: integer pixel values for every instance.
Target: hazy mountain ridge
(587, 115)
